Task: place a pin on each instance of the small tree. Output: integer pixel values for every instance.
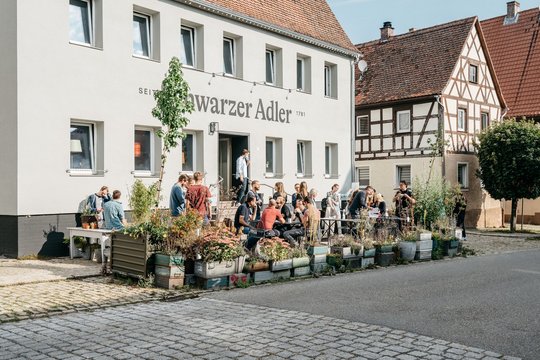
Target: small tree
(172, 104)
(509, 158)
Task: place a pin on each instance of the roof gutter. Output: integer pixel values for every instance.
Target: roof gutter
(231, 14)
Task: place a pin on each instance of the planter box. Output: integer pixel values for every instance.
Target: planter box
(239, 278)
(167, 282)
(169, 265)
(352, 262)
(208, 270)
(317, 259)
(213, 283)
(423, 245)
(282, 275)
(407, 250)
(365, 262)
(453, 244)
(317, 250)
(281, 265)
(262, 276)
(369, 253)
(258, 266)
(424, 236)
(384, 248)
(130, 256)
(301, 271)
(334, 260)
(423, 255)
(318, 267)
(190, 280)
(385, 259)
(343, 251)
(300, 262)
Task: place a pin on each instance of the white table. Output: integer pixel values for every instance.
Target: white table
(102, 236)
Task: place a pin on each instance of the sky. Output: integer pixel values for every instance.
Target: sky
(362, 19)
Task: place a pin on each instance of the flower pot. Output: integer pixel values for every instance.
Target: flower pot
(453, 244)
(407, 250)
(369, 253)
(385, 258)
(207, 270)
(317, 250)
(85, 225)
(343, 251)
(384, 248)
(424, 245)
(300, 262)
(281, 265)
(424, 236)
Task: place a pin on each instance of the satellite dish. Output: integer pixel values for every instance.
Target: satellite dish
(362, 66)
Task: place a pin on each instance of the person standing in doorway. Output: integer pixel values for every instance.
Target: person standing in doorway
(197, 197)
(242, 164)
(177, 202)
(113, 213)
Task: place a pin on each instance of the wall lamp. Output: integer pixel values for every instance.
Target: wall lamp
(213, 127)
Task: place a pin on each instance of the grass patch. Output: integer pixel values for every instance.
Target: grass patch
(34, 257)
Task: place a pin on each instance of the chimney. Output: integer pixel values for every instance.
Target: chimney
(512, 9)
(387, 31)
(412, 29)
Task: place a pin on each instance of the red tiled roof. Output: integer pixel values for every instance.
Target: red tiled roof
(515, 52)
(416, 64)
(312, 18)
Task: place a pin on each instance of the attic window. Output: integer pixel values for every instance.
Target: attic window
(473, 74)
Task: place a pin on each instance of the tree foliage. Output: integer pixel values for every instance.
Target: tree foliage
(172, 105)
(509, 158)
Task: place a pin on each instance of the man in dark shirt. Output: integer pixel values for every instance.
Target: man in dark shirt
(254, 192)
(244, 214)
(360, 201)
(404, 203)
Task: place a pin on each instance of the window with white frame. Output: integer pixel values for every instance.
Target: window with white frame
(327, 80)
(143, 151)
(330, 160)
(300, 158)
(187, 46)
(300, 74)
(473, 73)
(189, 153)
(270, 66)
(403, 121)
(463, 175)
(462, 119)
(270, 157)
(141, 35)
(363, 176)
(82, 147)
(229, 56)
(403, 173)
(484, 118)
(81, 21)
(362, 125)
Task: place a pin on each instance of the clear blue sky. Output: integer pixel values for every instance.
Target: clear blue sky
(361, 19)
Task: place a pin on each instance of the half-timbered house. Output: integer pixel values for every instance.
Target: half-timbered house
(514, 46)
(415, 88)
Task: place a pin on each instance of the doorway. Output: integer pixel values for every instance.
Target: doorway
(230, 148)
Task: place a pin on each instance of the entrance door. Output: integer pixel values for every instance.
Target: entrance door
(230, 148)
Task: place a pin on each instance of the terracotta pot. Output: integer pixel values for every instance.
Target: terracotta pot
(85, 225)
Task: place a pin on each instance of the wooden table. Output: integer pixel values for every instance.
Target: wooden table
(102, 237)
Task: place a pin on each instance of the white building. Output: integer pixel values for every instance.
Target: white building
(77, 80)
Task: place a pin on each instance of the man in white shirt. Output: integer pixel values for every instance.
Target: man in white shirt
(242, 164)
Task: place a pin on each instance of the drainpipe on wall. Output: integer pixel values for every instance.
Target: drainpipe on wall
(353, 113)
(441, 131)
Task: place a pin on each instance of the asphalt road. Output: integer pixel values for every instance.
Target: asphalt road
(490, 302)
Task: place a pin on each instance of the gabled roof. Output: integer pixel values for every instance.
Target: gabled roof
(412, 65)
(515, 53)
(311, 18)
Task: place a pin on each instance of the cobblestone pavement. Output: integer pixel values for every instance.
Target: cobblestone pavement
(213, 329)
(489, 243)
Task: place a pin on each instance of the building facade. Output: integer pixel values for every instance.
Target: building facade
(415, 88)
(78, 94)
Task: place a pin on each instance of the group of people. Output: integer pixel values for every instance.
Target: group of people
(106, 207)
(190, 193)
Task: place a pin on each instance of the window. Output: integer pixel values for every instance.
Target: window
(143, 151)
(461, 119)
(473, 73)
(403, 173)
(80, 21)
(270, 67)
(141, 35)
(403, 121)
(362, 125)
(300, 74)
(187, 50)
(363, 176)
(188, 153)
(228, 57)
(463, 175)
(300, 158)
(330, 160)
(82, 145)
(484, 118)
(327, 81)
(270, 157)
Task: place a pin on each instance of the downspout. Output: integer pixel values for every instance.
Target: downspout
(353, 113)
(441, 133)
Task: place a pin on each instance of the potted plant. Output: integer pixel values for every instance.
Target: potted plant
(407, 245)
(369, 247)
(343, 244)
(278, 252)
(218, 250)
(384, 247)
(88, 219)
